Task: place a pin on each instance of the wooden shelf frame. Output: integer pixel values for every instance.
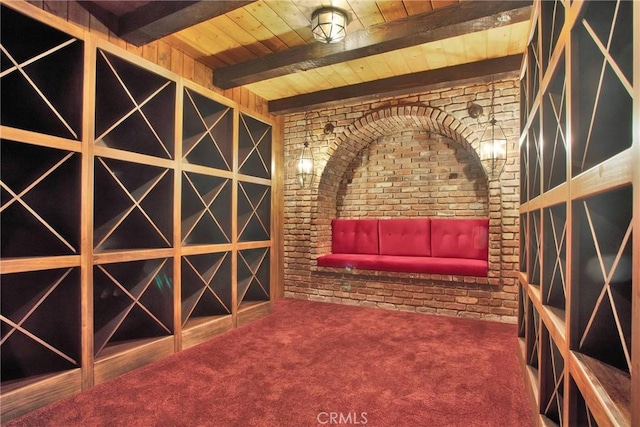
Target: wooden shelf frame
(600, 283)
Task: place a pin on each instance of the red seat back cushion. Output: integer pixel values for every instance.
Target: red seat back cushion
(354, 236)
(460, 238)
(405, 237)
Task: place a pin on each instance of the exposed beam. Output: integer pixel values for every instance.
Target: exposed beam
(463, 18)
(393, 86)
(157, 19)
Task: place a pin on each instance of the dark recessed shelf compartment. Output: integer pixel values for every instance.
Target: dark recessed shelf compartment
(552, 22)
(534, 160)
(524, 171)
(133, 206)
(551, 379)
(135, 108)
(535, 240)
(40, 313)
(581, 413)
(207, 132)
(602, 125)
(40, 196)
(522, 320)
(524, 102)
(532, 334)
(524, 235)
(602, 276)
(42, 77)
(533, 70)
(254, 147)
(206, 285)
(206, 209)
(254, 212)
(554, 130)
(554, 263)
(254, 275)
(132, 301)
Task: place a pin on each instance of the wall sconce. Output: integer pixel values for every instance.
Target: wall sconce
(493, 142)
(329, 25)
(306, 170)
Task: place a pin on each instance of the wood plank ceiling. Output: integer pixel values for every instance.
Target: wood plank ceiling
(392, 46)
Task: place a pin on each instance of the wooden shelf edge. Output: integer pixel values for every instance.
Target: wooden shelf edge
(554, 320)
(605, 389)
(249, 311)
(530, 377)
(132, 255)
(203, 329)
(42, 140)
(612, 173)
(205, 249)
(128, 356)
(22, 265)
(34, 393)
(206, 170)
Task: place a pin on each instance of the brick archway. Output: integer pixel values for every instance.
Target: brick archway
(362, 132)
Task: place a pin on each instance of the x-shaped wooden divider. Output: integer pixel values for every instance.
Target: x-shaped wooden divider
(606, 291)
(20, 67)
(206, 279)
(558, 113)
(206, 200)
(253, 269)
(189, 144)
(19, 325)
(607, 60)
(19, 197)
(103, 336)
(557, 372)
(254, 209)
(136, 197)
(256, 143)
(557, 265)
(137, 107)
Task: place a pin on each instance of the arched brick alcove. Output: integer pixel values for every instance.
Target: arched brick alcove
(377, 124)
(363, 131)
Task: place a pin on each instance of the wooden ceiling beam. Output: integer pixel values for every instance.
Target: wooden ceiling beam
(463, 18)
(157, 19)
(394, 86)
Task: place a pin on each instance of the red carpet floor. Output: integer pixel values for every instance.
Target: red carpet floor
(316, 364)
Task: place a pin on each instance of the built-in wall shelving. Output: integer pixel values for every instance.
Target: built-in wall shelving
(580, 146)
(136, 211)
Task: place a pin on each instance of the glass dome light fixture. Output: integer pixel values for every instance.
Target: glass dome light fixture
(493, 145)
(329, 24)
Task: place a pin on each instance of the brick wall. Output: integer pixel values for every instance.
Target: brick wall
(413, 173)
(404, 156)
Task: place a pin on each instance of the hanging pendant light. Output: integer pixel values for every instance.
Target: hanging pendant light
(305, 171)
(493, 144)
(329, 25)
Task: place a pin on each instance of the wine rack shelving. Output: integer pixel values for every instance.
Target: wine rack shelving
(136, 211)
(580, 146)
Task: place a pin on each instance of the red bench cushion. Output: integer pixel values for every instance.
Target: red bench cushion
(354, 236)
(410, 237)
(460, 238)
(408, 264)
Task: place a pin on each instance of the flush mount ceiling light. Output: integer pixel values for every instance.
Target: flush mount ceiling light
(329, 24)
